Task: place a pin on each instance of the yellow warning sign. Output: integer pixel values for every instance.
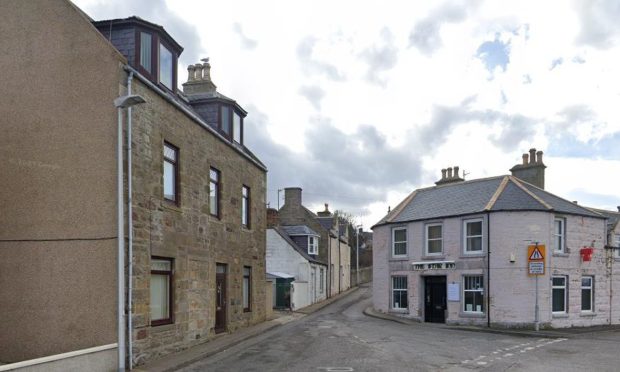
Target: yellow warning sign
(536, 259)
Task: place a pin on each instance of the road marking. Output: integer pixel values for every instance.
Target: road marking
(336, 369)
(508, 355)
(481, 363)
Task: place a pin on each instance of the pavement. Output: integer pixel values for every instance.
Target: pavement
(224, 341)
(547, 333)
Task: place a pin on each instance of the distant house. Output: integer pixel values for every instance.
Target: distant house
(332, 248)
(613, 230)
(458, 252)
(292, 253)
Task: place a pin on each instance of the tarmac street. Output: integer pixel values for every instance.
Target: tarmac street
(341, 338)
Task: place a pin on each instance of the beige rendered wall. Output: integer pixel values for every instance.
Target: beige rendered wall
(59, 78)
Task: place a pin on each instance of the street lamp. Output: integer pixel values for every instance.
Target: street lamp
(122, 102)
(357, 254)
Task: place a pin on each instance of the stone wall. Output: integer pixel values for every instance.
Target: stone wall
(188, 233)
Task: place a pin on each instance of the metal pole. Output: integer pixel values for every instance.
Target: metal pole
(536, 322)
(121, 247)
(129, 231)
(357, 256)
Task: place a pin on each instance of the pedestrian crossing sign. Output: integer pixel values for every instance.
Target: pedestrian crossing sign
(536, 255)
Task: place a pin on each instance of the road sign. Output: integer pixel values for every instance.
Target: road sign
(536, 259)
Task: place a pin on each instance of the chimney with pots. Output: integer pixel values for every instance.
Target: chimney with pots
(532, 170)
(449, 175)
(325, 213)
(199, 79)
(272, 217)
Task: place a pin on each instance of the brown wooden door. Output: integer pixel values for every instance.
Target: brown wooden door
(220, 298)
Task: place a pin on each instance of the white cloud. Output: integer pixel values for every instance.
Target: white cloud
(398, 92)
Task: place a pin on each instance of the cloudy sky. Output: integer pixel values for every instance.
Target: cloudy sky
(359, 103)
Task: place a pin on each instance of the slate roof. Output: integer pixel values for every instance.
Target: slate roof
(501, 193)
(612, 218)
(326, 222)
(298, 230)
(301, 251)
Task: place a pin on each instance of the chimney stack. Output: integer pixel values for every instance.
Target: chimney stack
(292, 196)
(199, 79)
(448, 176)
(325, 213)
(272, 217)
(532, 170)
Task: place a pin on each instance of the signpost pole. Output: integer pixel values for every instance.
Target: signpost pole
(536, 323)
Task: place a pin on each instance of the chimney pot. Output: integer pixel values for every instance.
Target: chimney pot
(456, 172)
(449, 172)
(443, 174)
(539, 155)
(532, 155)
(525, 156)
(575, 202)
(191, 73)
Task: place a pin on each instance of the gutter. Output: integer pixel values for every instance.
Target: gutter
(192, 115)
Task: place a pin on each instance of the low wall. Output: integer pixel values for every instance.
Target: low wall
(365, 276)
(100, 358)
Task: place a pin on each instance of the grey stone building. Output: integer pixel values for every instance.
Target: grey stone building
(197, 194)
(460, 252)
(333, 246)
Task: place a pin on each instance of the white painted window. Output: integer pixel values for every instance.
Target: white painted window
(616, 244)
(472, 235)
(313, 245)
(434, 239)
(587, 293)
(559, 234)
(399, 292)
(558, 286)
(236, 127)
(399, 242)
(473, 294)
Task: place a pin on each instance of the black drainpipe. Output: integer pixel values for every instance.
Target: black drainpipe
(488, 269)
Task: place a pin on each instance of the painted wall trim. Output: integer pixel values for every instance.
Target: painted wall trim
(52, 358)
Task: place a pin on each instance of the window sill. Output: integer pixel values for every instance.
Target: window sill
(214, 218)
(560, 254)
(434, 257)
(463, 314)
(587, 314)
(162, 327)
(245, 229)
(559, 315)
(472, 255)
(171, 206)
(403, 258)
(247, 310)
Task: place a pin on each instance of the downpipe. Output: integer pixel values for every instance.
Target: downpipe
(129, 230)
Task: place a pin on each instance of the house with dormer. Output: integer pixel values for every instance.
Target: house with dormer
(461, 252)
(331, 242)
(134, 217)
(292, 253)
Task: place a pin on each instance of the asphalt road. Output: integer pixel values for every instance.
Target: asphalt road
(341, 338)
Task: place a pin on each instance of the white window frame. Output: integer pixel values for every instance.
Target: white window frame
(393, 290)
(616, 244)
(565, 288)
(400, 241)
(561, 236)
(313, 244)
(426, 239)
(588, 288)
(479, 289)
(465, 236)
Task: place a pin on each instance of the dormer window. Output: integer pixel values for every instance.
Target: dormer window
(236, 127)
(231, 123)
(165, 66)
(313, 244)
(225, 120)
(146, 51)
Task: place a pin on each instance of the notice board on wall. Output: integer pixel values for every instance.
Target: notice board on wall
(453, 292)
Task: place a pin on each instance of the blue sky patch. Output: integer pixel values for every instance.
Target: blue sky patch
(569, 146)
(494, 53)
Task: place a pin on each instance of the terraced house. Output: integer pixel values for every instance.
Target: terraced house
(192, 197)
(460, 252)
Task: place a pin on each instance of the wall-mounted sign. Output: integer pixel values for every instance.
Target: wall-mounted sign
(454, 292)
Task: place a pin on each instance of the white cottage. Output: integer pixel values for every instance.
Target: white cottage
(292, 253)
(459, 253)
